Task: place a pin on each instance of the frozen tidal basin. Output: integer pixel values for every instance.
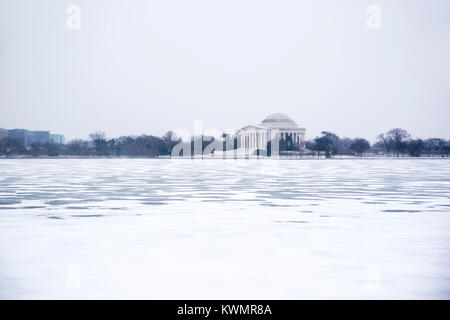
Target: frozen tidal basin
(207, 229)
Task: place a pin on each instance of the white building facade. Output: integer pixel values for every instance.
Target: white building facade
(276, 128)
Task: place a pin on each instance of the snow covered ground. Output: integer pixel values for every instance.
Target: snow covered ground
(240, 229)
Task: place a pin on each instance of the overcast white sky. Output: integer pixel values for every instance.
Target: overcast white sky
(142, 66)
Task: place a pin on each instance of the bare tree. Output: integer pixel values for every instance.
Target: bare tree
(399, 138)
(385, 143)
(99, 140)
(394, 140)
(360, 146)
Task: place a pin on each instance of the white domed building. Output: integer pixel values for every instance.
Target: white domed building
(276, 127)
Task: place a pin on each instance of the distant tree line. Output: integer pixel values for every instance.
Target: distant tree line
(99, 145)
(396, 142)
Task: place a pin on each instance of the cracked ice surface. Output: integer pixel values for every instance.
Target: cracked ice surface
(208, 229)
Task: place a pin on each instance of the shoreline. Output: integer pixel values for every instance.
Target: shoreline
(221, 158)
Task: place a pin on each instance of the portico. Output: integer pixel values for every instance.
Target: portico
(275, 126)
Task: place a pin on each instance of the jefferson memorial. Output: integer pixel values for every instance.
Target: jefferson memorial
(278, 128)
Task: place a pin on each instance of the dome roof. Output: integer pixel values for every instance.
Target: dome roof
(279, 120)
(276, 117)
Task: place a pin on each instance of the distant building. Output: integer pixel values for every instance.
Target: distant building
(3, 133)
(27, 138)
(57, 138)
(19, 135)
(276, 125)
(38, 137)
